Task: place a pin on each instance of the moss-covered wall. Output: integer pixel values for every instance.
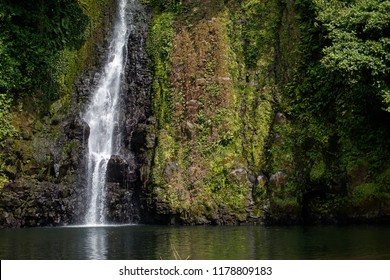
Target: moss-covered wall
(245, 129)
(214, 97)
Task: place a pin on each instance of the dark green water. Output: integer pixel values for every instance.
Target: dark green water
(216, 243)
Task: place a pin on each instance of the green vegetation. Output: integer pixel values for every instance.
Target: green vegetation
(44, 46)
(159, 49)
(335, 100)
(324, 64)
(32, 34)
(206, 148)
(359, 49)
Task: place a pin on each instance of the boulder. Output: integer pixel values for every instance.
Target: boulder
(280, 118)
(278, 180)
(170, 169)
(262, 180)
(240, 174)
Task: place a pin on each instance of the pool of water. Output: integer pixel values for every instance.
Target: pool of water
(204, 242)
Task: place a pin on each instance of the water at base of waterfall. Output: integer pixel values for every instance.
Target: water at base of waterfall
(102, 117)
(200, 243)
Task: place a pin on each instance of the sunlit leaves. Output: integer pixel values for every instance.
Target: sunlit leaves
(359, 48)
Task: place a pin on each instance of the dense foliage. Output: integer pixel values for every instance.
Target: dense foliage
(32, 33)
(337, 101)
(360, 43)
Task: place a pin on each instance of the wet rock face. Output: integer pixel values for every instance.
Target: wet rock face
(125, 194)
(33, 203)
(120, 170)
(122, 204)
(137, 102)
(117, 170)
(76, 129)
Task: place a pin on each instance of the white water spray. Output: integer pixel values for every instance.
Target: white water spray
(102, 116)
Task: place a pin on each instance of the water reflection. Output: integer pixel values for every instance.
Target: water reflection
(96, 243)
(163, 242)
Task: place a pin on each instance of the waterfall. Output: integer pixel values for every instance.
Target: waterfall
(102, 116)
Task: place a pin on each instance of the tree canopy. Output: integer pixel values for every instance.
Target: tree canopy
(359, 44)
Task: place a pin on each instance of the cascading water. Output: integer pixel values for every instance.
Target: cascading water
(102, 117)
